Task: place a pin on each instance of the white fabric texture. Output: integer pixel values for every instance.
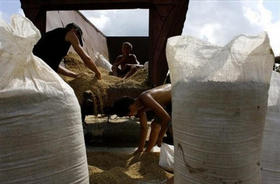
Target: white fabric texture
(219, 102)
(271, 138)
(41, 135)
(166, 157)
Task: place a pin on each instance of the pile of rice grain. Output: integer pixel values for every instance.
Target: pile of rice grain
(117, 168)
(107, 90)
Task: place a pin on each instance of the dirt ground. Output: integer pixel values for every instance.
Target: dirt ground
(122, 168)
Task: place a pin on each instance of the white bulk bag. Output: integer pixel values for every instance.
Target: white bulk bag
(166, 157)
(271, 139)
(219, 101)
(41, 136)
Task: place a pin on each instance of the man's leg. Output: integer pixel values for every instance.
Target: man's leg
(133, 70)
(116, 71)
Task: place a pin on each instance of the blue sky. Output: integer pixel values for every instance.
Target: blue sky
(216, 21)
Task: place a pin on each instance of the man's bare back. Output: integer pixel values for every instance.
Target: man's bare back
(161, 94)
(155, 100)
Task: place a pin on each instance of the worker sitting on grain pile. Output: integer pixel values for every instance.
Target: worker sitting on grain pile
(151, 100)
(126, 61)
(54, 45)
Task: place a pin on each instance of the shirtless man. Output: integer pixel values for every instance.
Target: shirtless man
(128, 62)
(156, 100)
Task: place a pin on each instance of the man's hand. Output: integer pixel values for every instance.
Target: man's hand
(137, 151)
(75, 75)
(98, 75)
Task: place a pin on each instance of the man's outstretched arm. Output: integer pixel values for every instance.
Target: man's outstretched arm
(72, 38)
(66, 72)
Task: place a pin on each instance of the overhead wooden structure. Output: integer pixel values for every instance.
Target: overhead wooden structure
(166, 19)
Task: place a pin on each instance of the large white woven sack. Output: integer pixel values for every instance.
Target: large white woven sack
(271, 139)
(219, 102)
(41, 136)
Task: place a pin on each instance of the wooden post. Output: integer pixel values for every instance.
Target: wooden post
(38, 17)
(166, 20)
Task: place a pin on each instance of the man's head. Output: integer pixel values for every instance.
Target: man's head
(78, 31)
(121, 107)
(126, 48)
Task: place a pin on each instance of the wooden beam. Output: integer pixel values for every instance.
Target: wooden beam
(165, 21)
(92, 4)
(38, 17)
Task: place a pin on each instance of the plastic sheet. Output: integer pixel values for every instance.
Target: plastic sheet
(101, 61)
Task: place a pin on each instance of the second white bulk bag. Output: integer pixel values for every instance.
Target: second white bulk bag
(219, 102)
(41, 135)
(271, 140)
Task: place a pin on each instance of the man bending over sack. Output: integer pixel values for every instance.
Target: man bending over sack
(156, 100)
(54, 45)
